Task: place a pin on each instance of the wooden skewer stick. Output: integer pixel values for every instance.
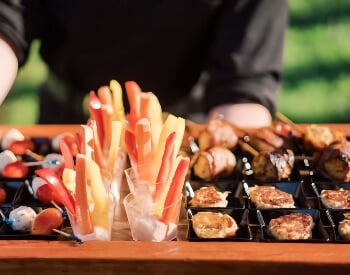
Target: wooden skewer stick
(246, 147)
(286, 120)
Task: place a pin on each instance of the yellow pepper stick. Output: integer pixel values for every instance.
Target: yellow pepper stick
(117, 99)
(68, 178)
(117, 127)
(100, 212)
(156, 118)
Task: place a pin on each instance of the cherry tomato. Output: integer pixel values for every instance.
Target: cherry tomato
(46, 195)
(19, 147)
(15, 170)
(46, 220)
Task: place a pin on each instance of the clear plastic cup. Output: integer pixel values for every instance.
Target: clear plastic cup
(145, 225)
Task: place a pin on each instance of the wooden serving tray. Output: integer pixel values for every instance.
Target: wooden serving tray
(124, 256)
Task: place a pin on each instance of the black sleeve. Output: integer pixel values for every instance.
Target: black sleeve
(12, 27)
(245, 59)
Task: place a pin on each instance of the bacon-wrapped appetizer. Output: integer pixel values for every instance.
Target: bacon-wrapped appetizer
(273, 165)
(218, 133)
(334, 162)
(317, 138)
(216, 162)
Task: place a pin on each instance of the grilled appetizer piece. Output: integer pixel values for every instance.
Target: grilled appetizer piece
(216, 162)
(270, 197)
(294, 226)
(344, 227)
(334, 161)
(317, 138)
(208, 196)
(336, 199)
(218, 133)
(214, 225)
(273, 165)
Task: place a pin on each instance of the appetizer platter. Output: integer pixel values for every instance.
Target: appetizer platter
(274, 174)
(232, 183)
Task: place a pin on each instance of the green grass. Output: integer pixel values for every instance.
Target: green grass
(316, 85)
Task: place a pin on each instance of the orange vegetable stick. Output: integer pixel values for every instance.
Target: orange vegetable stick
(105, 96)
(67, 155)
(130, 146)
(174, 193)
(95, 109)
(87, 135)
(144, 149)
(83, 218)
(97, 153)
(133, 92)
(167, 163)
(145, 105)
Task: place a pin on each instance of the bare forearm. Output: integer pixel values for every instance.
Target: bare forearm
(244, 115)
(8, 69)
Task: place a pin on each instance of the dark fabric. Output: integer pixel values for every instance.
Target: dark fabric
(164, 45)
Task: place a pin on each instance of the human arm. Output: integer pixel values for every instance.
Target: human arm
(12, 45)
(8, 68)
(244, 65)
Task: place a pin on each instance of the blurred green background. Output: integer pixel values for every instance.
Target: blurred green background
(316, 86)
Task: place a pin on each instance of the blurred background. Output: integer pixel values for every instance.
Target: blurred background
(316, 85)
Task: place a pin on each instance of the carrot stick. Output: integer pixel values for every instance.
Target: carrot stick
(145, 106)
(130, 146)
(167, 163)
(133, 92)
(174, 193)
(83, 218)
(144, 149)
(97, 150)
(87, 141)
(105, 96)
(95, 109)
(67, 155)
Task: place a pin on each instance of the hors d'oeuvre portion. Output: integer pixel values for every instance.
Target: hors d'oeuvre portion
(214, 225)
(209, 196)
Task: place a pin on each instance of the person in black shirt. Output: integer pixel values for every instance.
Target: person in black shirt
(196, 55)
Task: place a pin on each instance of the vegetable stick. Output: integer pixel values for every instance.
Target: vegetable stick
(175, 191)
(130, 146)
(145, 106)
(159, 204)
(117, 100)
(116, 132)
(87, 141)
(133, 92)
(97, 149)
(95, 109)
(144, 149)
(67, 154)
(156, 118)
(105, 97)
(172, 123)
(83, 218)
(167, 163)
(68, 178)
(100, 212)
